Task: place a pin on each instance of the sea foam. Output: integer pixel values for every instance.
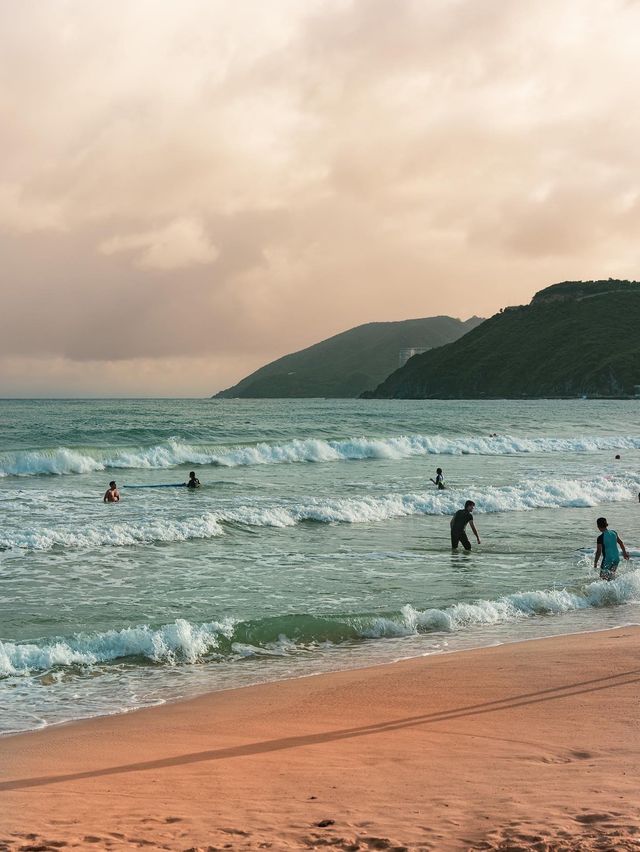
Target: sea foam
(119, 534)
(183, 642)
(527, 496)
(174, 452)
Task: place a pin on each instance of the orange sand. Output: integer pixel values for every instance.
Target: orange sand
(527, 746)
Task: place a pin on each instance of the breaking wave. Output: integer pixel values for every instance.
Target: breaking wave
(527, 496)
(184, 643)
(174, 452)
(530, 494)
(117, 535)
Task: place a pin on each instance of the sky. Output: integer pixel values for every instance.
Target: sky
(190, 190)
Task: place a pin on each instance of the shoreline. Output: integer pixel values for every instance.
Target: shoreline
(370, 664)
(470, 749)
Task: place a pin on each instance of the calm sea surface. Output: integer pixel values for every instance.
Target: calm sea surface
(316, 541)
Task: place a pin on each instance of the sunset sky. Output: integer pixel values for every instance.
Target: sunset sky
(189, 190)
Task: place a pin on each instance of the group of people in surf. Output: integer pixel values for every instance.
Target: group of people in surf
(607, 543)
(461, 518)
(112, 494)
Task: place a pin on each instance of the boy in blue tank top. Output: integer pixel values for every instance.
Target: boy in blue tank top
(607, 548)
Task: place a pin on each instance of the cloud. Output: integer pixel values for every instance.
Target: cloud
(179, 244)
(20, 213)
(228, 182)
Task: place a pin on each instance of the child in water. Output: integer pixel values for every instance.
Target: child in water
(439, 480)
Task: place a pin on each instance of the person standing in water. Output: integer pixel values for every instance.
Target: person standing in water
(193, 481)
(111, 495)
(439, 480)
(459, 521)
(607, 548)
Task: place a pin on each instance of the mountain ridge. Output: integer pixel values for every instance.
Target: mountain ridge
(346, 364)
(575, 338)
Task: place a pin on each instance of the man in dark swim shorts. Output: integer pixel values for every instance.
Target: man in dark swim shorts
(459, 521)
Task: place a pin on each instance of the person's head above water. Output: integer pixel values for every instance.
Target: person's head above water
(602, 523)
(438, 470)
(469, 505)
(618, 458)
(112, 484)
(192, 474)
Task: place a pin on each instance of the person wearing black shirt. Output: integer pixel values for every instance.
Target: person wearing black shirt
(459, 521)
(193, 482)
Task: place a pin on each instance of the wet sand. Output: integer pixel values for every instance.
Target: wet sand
(533, 745)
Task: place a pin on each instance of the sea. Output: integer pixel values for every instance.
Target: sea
(317, 541)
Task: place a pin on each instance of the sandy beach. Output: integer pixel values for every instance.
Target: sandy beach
(533, 745)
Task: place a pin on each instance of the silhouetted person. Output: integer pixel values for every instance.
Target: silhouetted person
(459, 521)
(439, 480)
(193, 481)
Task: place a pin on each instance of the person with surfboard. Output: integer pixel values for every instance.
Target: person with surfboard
(111, 495)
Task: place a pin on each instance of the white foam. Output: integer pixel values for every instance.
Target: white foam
(183, 642)
(174, 451)
(527, 496)
(119, 534)
(55, 461)
(510, 608)
(171, 643)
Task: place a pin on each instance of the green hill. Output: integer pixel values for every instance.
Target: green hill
(575, 338)
(347, 364)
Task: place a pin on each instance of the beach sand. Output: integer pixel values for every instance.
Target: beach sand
(533, 745)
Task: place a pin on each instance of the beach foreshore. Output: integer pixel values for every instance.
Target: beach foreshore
(534, 745)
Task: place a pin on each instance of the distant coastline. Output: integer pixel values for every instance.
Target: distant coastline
(574, 340)
(347, 364)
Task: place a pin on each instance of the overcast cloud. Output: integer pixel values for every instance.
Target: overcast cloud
(190, 190)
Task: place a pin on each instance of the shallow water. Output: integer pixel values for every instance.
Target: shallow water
(317, 541)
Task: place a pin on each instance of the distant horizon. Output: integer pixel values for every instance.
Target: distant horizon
(139, 395)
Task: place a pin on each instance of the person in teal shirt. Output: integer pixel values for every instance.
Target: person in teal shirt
(607, 548)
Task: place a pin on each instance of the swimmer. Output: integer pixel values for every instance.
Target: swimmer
(193, 481)
(111, 495)
(439, 480)
(607, 548)
(459, 521)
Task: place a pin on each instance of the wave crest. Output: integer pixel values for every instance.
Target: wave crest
(183, 642)
(174, 452)
(527, 496)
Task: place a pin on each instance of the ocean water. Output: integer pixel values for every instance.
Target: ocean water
(316, 542)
